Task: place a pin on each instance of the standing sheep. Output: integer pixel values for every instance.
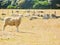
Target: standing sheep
(13, 21)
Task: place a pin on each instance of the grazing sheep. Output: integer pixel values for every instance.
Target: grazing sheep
(13, 21)
(33, 17)
(54, 16)
(27, 15)
(46, 16)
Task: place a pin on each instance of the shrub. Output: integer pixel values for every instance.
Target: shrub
(11, 7)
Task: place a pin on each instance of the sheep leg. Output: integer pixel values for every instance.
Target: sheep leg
(17, 28)
(4, 27)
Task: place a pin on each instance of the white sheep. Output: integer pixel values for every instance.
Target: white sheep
(13, 21)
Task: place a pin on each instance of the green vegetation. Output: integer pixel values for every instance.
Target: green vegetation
(29, 4)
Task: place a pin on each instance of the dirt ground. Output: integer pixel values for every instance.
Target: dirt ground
(31, 32)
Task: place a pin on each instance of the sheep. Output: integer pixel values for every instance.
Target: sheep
(12, 21)
(33, 17)
(46, 16)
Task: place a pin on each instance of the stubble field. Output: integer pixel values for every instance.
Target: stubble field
(31, 32)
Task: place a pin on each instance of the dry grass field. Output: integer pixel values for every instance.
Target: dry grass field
(31, 32)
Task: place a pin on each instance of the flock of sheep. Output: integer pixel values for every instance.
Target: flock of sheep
(15, 19)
